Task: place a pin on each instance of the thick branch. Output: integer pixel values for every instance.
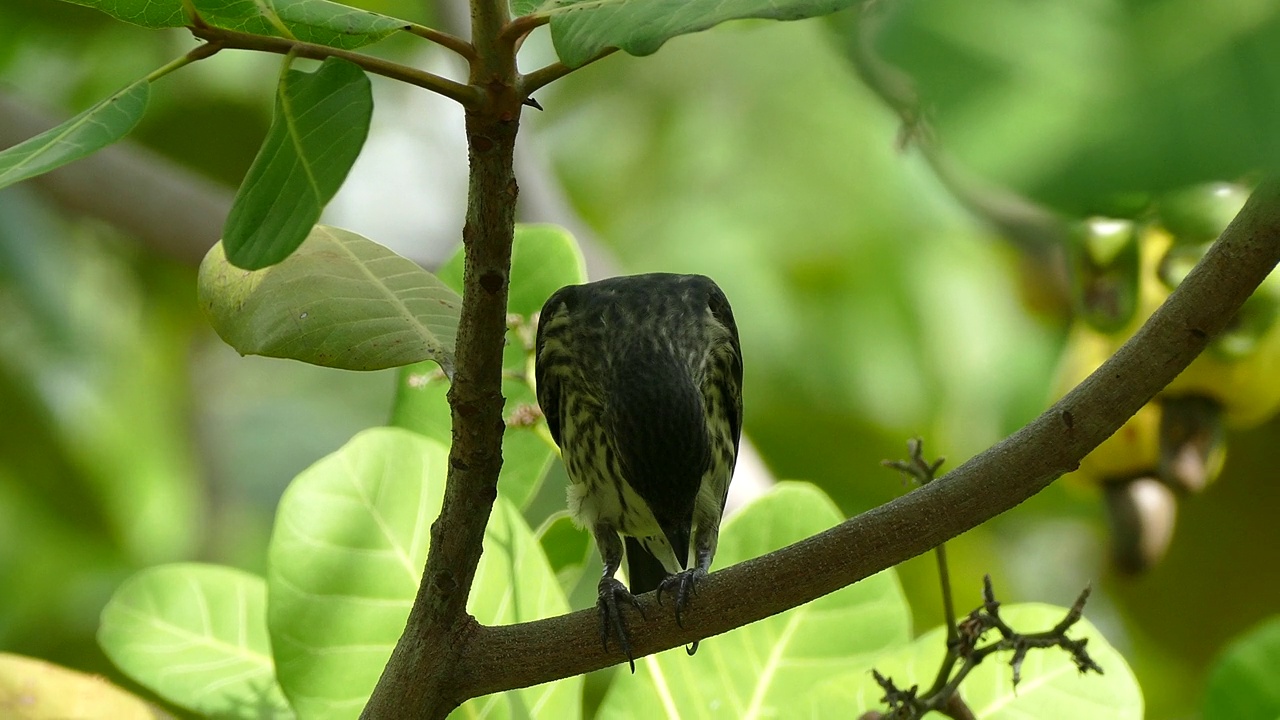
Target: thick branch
(501, 658)
(466, 96)
(423, 677)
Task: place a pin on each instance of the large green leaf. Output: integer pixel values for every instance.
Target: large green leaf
(581, 29)
(768, 668)
(1245, 681)
(1052, 688)
(147, 13)
(316, 21)
(340, 301)
(197, 636)
(350, 541)
(32, 689)
(568, 549)
(91, 130)
(527, 449)
(320, 123)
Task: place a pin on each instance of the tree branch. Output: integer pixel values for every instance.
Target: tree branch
(423, 677)
(468, 97)
(502, 658)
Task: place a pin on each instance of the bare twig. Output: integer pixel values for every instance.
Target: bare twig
(923, 472)
(468, 97)
(910, 705)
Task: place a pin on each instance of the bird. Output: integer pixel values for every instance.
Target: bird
(640, 381)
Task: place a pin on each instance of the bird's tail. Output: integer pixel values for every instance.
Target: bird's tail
(644, 571)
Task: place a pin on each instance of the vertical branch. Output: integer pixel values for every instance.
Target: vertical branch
(421, 680)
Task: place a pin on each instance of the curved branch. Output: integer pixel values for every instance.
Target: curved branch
(464, 95)
(502, 658)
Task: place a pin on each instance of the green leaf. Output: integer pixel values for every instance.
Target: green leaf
(320, 123)
(520, 8)
(422, 406)
(1245, 681)
(91, 130)
(346, 556)
(1052, 688)
(767, 669)
(314, 21)
(581, 29)
(147, 13)
(544, 258)
(197, 636)
(33, 689)
(340, 301)
(567, 548)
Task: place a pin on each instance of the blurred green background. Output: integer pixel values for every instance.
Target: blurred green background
(872, 305)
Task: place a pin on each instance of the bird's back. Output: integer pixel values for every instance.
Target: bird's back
(626, 368)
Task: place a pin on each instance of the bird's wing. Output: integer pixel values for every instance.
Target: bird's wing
(728, 354)
(726, 371)
(553, 325)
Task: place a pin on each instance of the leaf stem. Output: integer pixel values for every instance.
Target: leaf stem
(443, 39)
(522, 26)
(465, 95)
(544, 76)
(199, 52)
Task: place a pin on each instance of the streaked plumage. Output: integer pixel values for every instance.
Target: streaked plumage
(640, 381)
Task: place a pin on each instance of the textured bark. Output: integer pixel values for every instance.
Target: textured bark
(424, 678)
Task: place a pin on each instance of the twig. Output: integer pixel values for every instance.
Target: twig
(909, 704)
(469, 97)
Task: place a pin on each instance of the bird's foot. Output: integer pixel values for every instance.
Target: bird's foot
(613, 595)
(682, 585)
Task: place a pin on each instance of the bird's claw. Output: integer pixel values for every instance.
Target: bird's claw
(613, 594)
(682, 585)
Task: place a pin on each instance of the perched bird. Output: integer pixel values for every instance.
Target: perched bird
(640, 380)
